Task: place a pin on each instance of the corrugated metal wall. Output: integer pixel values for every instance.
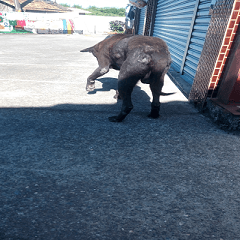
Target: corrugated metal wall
(183, 25)
(141, 26)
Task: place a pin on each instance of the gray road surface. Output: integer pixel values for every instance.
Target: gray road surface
(66, 172)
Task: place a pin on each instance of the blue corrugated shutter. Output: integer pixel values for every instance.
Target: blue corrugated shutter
(173, 22)
(197, 40)
(142, 21)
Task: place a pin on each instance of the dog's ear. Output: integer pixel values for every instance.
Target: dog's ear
(88, 50)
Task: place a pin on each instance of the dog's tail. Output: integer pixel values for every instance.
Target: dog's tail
(166, 94)
(88, 50)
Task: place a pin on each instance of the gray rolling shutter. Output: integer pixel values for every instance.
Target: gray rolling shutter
(142, 21)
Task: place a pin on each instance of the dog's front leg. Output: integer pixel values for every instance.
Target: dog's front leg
(100, 71)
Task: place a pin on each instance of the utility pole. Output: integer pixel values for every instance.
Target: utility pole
(17, 6)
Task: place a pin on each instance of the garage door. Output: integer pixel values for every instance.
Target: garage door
(142, 18)
(196, 41)
(183, 25)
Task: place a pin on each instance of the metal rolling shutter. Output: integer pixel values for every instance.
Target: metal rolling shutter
(172, 23)
(142, 21)
(197, 40)
(183, 25)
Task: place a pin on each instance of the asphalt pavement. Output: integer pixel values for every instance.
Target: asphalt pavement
(66, 172)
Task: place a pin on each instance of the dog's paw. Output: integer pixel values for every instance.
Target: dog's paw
(153, 115)
(90, 87)
(114, 119)
(117, 97)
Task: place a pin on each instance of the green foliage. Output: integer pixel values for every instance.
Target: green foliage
(118, 12)
(77, 6)
(64, 5)
(117, 26)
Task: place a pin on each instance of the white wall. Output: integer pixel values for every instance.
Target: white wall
(88, 24)
(94, 24)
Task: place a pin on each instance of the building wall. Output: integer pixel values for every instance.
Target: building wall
(59, 22)
(220, 15)
(94, 24)
(194, 31)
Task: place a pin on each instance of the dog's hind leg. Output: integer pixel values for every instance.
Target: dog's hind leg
(156, 88)
(125, 88)
(134, 68)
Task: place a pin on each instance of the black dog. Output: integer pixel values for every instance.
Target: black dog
(138, 58)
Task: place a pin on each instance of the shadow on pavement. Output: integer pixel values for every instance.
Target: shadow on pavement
(107, 85)
(68, 173)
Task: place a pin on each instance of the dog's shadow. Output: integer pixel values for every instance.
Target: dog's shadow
(109, 84)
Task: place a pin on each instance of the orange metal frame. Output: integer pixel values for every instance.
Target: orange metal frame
(226, 45)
